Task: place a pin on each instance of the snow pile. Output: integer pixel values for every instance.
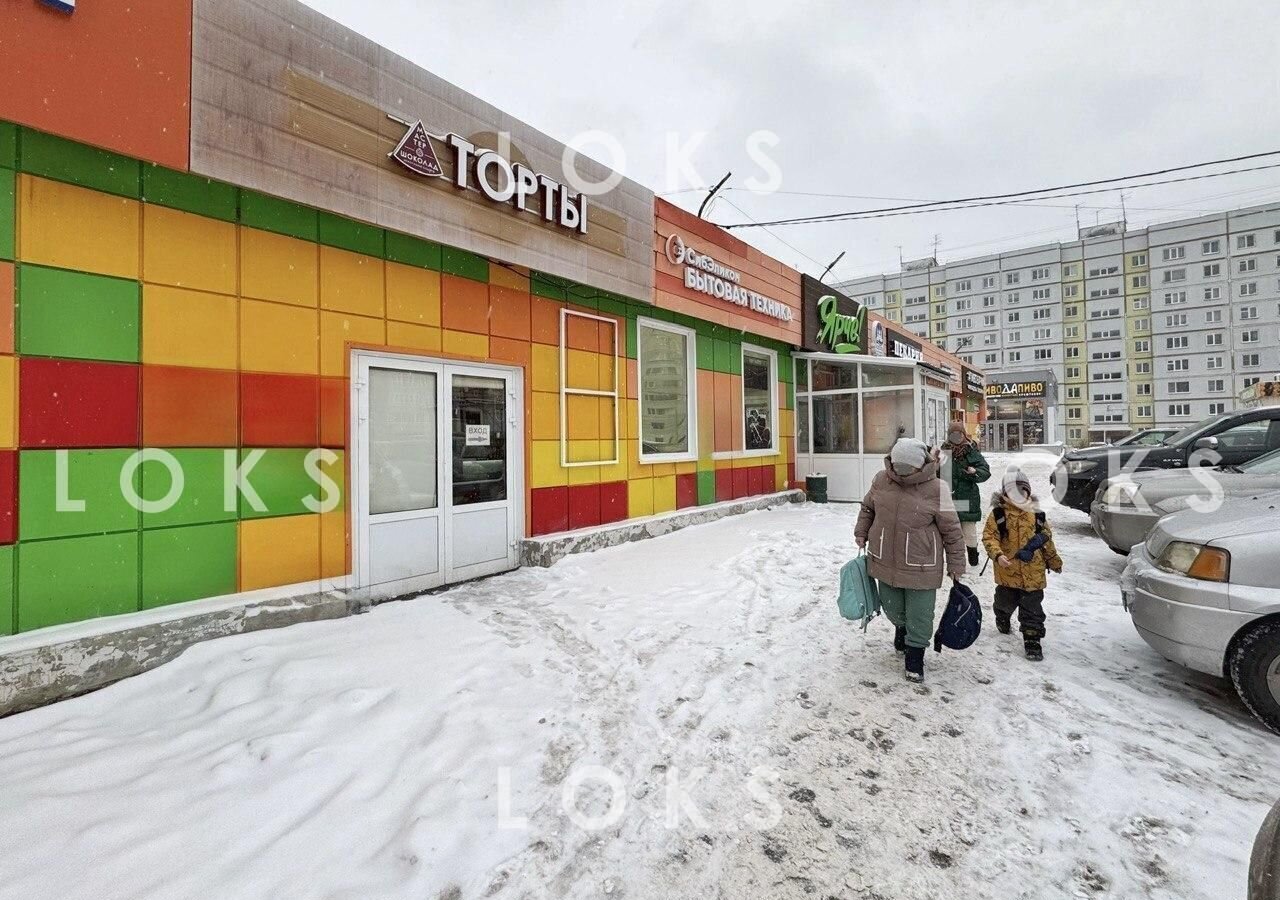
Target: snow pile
(682, 717)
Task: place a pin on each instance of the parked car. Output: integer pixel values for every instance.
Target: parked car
(1224, 439)
(1128, 507)
(1264, 865)
(1147, 437)
(1204, 592)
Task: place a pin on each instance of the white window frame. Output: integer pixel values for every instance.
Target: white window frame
(565, 391)
(773, 449)
(691, 360)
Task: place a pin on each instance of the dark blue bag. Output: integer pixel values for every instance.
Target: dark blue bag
(961, 621)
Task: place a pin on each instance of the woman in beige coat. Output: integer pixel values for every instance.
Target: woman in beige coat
(911, 533)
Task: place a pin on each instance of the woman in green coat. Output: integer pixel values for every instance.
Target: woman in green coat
(968, 470)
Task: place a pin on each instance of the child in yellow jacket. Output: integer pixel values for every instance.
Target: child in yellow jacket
(1019, 540)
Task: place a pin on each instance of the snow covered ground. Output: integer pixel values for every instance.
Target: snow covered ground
(755, 747)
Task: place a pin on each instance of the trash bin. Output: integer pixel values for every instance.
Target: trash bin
(815, 488)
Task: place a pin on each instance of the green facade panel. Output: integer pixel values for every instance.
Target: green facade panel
(412, 251)
(72, 579)
(201, 499)
(190, 563)
(281, 216)
(77, 315)
(91, 480)
(8, 223)
(8, 612)
(464, 264)
(8, 145)
(280, 479)
(706, 353)
(53, 157)
(337, 231)
(706, 486)
(189, 193)
(542, 285)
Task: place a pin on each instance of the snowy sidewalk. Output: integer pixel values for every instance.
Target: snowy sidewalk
(373, 757)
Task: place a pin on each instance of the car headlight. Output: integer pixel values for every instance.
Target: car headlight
(1076, 466)
(1121, 494)
(1196, 561)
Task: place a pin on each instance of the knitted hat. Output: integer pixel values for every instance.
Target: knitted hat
(1016, 482)
(956, 434)
(909, 452)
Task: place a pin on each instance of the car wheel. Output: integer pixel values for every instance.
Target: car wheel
(1255, 671)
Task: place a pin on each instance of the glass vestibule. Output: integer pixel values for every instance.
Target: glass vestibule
(849, 412)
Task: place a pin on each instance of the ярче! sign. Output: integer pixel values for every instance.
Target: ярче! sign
(833, 322)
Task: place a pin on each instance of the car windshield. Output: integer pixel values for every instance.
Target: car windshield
(1267, 464)
(1180, 436)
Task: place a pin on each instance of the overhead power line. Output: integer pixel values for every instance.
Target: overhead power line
(1050, 193)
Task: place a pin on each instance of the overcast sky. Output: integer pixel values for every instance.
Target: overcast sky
(878, 100)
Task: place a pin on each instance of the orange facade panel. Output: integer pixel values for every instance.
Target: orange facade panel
(115, 74)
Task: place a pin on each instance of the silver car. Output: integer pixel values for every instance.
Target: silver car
(1128, 507)
(1204, 592)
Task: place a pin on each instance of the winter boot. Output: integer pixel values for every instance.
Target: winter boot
(899, 638)
(915, 664)
(973, 557)
(1031, 641)
(1003, 625)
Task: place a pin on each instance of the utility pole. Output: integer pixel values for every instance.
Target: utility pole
(823, 276)
(937, 239)
(711, 194)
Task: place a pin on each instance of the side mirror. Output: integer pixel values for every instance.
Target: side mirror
(1206, 443)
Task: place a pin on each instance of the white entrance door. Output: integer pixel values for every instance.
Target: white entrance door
(935, 418)
(437, 472)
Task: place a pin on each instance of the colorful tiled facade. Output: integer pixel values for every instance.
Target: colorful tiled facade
(148, 308)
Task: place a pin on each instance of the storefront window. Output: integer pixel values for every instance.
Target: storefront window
(479, 440)
(759, 388)
(874, 376)
(802, 425)
(666, 389)
(835, 423)
(833, 376)
(888, 416)
(402, 440)
(802, 374)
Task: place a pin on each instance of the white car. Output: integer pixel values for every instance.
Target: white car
(1204, 591)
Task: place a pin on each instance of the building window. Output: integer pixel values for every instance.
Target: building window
(1071, 290)
(1179, 409)
(1175, 275)
(1012, 277)
(1015, 356)
(1209, 247)
(963, 285)
(989, 359)
(1138, 259)
(1141, 324)
(1143, 346)
(1073, 393)
(1144, 411)
(1249, 337)
(1069, 271)
(1213, 271)
(1073, 352)
(667, 375)
(1217, 408)
(1177, 320)
(1012, 298)
(989, 281)
(1214, 339)
(1248, 265)
(1216, 385)
(1103, 271)
(1044, 312)
(1138, 281)
(1075, 412)
(1100, 355)
(1212, 293)
(1214, 362)
(1040, 294)
(1250, 382)
(1181, 342)
(1142, 368)
(1245, 241)
(989, 301)
(1039, 274)
(1044, 353)
(1179, 365)
(962, 305)
(940, 291)
(1143, 389)
(1014, 337)
(759, 400)
(1180, 387)
(1141, 303)
(1014, 316)
(1249, 360)
(1175, 297)
(1073, 371)
(1172, 253)
(1041, 334)
(1248, 288)
(1248, 312)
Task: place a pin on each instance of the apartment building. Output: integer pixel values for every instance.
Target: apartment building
(1123, 329)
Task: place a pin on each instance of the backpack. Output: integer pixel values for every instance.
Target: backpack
(961, 621)
(859, 599)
